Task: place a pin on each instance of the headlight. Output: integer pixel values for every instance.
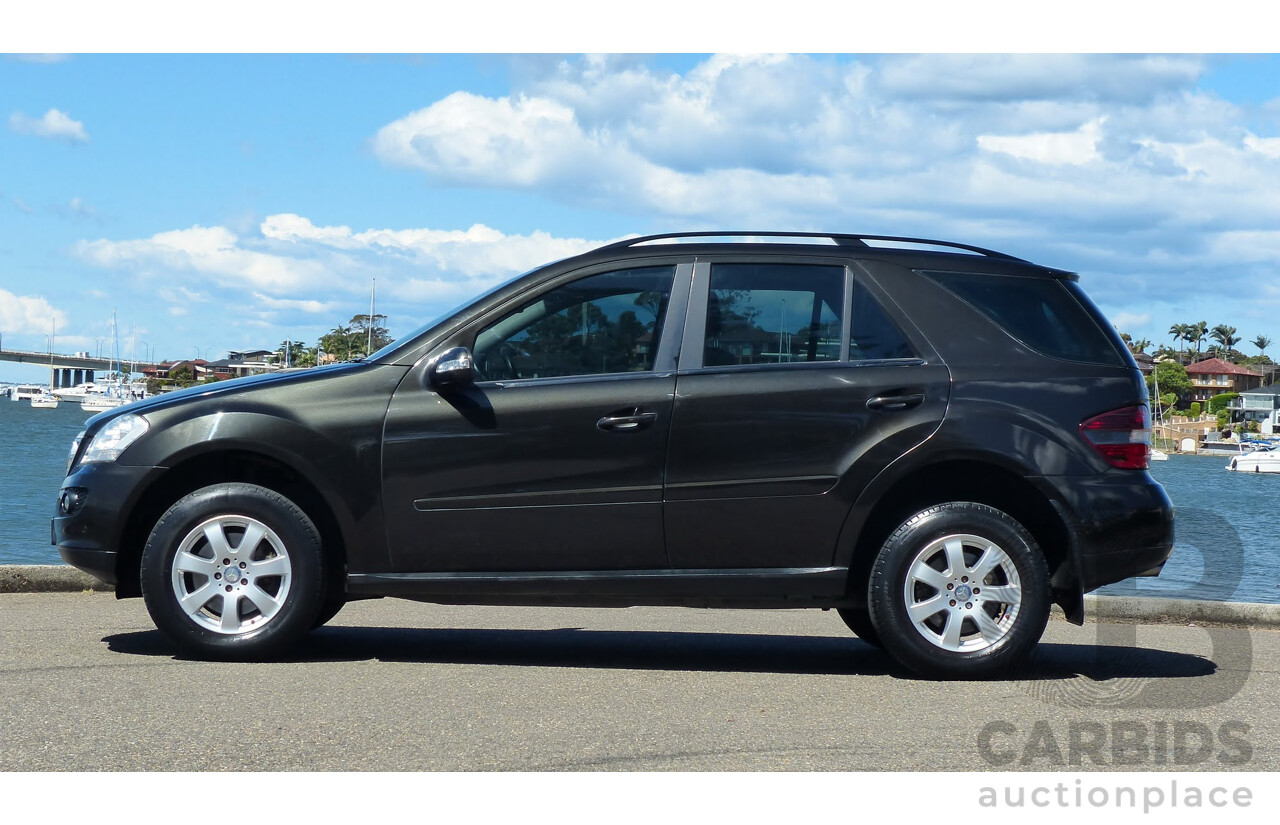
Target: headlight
(113, 439)
(75, 445)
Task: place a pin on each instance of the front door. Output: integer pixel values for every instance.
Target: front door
(552, 459)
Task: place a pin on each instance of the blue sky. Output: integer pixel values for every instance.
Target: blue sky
(221, 202)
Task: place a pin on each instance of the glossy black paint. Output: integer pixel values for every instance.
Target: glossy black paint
(762, 485)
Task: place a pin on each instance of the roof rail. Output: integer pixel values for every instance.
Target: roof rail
(837, 238)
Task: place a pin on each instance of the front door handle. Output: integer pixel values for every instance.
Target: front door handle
(627, 421)
(891, 403)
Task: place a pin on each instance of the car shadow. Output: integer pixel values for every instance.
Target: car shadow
(573, 647)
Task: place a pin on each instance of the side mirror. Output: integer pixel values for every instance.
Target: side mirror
(453, 368)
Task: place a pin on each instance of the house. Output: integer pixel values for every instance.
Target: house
(248, 362)
(161, 371)
(1146, 363)
(1214, 376)
(1261, 405)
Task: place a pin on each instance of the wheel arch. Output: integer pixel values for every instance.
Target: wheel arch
(889, 502)
(216, 466)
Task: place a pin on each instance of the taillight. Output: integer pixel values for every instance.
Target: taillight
(1122, 437)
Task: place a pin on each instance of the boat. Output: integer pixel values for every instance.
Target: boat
(79, 392)
(101, 403)
(1256, 457)
(114, 394)
(1156, 453)
(25, 392)
(44, 401)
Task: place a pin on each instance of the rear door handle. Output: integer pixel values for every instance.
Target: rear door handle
(624, 422)
(890, 403)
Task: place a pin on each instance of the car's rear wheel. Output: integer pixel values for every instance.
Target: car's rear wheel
(233, 571)
(960, 590)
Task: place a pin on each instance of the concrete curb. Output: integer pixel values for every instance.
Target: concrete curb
(47, 578)
(61, 578)
(1150, 610)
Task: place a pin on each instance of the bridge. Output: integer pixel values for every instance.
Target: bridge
(66, 370)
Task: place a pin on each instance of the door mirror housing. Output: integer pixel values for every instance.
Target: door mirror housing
(453, 368)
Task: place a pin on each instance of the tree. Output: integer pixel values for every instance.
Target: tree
(1179, 333)
(182, 375)
(1173, 379)
(1262, 342)
(295, 351)
(1226, 336)
(1196, 333)
(352, 339)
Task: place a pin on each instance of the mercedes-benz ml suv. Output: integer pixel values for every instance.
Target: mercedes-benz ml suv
(938, 440)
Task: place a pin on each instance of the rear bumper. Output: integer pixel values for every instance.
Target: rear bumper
(1122, 523)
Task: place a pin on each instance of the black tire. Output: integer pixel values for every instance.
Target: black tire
(958, 549)
(268, 567)
(328, 610)
(859, 621)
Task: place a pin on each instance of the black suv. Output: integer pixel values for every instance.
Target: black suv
(938, 440)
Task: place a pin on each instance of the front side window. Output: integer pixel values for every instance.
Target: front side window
(773, 314)
(606, 323)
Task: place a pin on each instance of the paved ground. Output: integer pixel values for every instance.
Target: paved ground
(86, 683)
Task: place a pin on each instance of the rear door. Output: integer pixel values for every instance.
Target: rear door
(795, 387)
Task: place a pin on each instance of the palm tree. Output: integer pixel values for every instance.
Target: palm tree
(1140, 346)
(1226, 336)
(1179, 333)
(1196, 334)
(1262, 342)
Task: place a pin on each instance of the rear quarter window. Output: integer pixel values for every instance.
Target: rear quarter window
(1049, 315)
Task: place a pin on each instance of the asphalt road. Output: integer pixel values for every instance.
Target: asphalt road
(86, 683)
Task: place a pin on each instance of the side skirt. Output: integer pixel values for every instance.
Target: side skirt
(753, 587)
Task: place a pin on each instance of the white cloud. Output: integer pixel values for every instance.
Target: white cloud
(295, 267)
(1265, 146)
(54, 124)
(21, 314)
(1076, 148)
(1125, 320)
(40, 58)
(214, 252)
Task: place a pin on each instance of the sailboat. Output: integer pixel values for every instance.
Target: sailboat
(46, 400)
(1157, 454)
(114, 396)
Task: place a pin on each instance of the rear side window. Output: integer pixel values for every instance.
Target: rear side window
(773, 314)
(1042, 313)
(873, 336)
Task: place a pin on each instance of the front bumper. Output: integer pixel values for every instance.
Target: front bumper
(92, 513)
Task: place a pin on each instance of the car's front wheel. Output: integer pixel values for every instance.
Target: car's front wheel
(960, 590)
(233, 571)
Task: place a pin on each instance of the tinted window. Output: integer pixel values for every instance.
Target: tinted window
(605, 323)
(773, 314)
(1042, 313)
(873, 335)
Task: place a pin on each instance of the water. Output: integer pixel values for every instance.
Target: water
(33, 462)
(1230, 518)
